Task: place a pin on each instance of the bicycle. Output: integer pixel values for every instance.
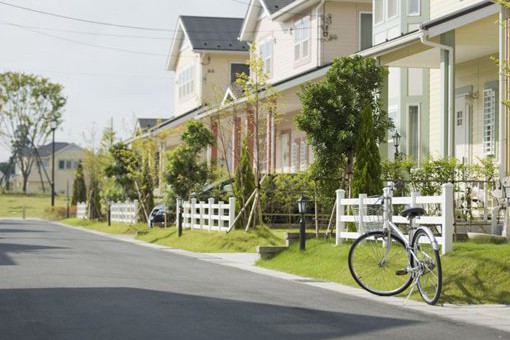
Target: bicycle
(385, 262)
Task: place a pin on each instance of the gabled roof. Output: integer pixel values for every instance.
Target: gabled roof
(275, 5)
(280, 10)
(46, 150)
(207, 34)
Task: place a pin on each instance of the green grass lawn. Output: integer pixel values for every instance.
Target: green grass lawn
(115, 228)
(36, 206)
(212, 241)
(472, 273)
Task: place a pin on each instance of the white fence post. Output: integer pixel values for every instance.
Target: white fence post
(447, 214)
(211, 213)
(362, 212)
(340, 224)
(231, 211)
(134, 215)
(220, 215)
(193, 210)
(202, 212)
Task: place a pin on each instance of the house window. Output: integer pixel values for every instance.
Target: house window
(489, 117)
(303, 155)
(378, 11)
(266, 53)
(413, 7)
(414, 132)
(186, 81)
(365, 31)
(460, 118)
(295, 156)
(285, 151)
(238, 69)
(302, 39)
(61, 164)
(392, 6)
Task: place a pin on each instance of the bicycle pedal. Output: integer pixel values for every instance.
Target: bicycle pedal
(401, 272)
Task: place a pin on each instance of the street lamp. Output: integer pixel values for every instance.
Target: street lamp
(302, 205)
(396, 142)
(53, 127)
(179, 216)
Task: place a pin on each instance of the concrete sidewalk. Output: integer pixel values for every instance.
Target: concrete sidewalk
(493, 316)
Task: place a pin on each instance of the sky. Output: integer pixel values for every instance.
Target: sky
(110, 74)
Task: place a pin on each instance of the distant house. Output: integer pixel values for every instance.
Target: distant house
(67, 156)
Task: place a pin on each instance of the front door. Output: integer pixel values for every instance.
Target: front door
(462, 126)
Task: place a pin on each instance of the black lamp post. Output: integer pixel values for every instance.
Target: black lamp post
(53, 127)
(302, 205)
(396, 142)
(179, 216)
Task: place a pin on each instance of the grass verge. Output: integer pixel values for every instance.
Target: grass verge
(115, 228)
(472, 273)
(205, 241)
(36, 206)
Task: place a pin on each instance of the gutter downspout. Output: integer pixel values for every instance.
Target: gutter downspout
(319, 42)
(451, 90)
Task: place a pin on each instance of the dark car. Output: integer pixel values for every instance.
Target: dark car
(157, 215)
(222, 188)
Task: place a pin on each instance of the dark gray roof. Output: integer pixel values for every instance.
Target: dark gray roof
(210, 33)
(45, 150)
(276, 5)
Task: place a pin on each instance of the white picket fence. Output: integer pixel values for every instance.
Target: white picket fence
(124, 212)
(208, 215)
(443, 219)
(121, 212)
(81, 210)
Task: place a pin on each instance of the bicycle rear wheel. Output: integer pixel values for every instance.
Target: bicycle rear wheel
(431, 275)
(376, 268)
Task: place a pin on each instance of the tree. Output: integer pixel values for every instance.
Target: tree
(79, 188)
(6, 170)
(184, 171)
(124, 164)
(28, 104)
(244, 180)
(261, 102)
(331, 113)
(367, 169)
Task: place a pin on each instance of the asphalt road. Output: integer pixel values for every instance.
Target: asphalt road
(59, 283)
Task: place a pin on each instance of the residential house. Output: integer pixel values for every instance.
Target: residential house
(297, 41)
(446, 89)
(67, 156)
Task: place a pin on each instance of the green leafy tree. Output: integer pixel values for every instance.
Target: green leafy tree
(79, 188)
(244, 180)
(184, 171)
(331, 113)
(28, 103)
(122, 168)
(367, 169)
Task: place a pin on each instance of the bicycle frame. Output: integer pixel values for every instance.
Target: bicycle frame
(390, 227)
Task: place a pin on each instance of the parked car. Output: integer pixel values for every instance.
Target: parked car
(219, 188)
(157, 215)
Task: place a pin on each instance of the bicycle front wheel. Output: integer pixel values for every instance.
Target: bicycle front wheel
(430, 274)
(377, 268)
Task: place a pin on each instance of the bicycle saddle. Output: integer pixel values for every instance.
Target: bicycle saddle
(411, 213)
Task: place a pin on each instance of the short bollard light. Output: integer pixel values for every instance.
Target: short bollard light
(180, 202)
(302, 206)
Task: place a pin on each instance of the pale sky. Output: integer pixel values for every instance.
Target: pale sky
(101, 84)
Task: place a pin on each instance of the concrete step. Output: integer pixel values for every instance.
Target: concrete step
(267, 252)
